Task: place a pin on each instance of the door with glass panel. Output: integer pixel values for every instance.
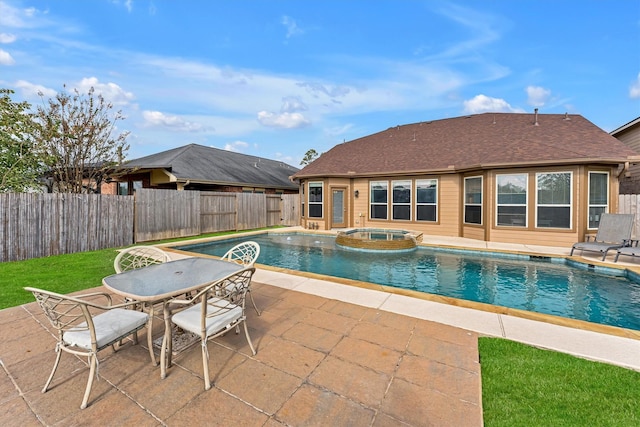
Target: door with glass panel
(339, 208)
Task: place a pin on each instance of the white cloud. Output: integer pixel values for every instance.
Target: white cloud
(7, 38)
(236, 146)
(282, 120)
(634, 90)
(172, 122)
(291, 26)
(6, 58)
(537, 96)
(482, 104)
(110, 91)
(291, 104)
(31, 90)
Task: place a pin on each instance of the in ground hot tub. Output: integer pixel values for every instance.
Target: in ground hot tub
(377, 239)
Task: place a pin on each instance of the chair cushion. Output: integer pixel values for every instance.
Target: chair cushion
(110, 327)
(189, 319)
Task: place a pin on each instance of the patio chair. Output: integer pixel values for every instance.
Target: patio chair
(614, 232)
(246, 254)
(631, 250)
(83, 332)
(138, 257)
(214, 310)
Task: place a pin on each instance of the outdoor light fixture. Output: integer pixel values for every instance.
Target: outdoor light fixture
(356, 193)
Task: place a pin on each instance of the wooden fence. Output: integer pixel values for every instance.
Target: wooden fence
(630, 204)
(38, 225)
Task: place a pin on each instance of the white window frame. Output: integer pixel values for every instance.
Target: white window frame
(597, 205)
(372, 203)
(569, 205)
(428, 181)
(316, 184)
(525, 205)
(468, 203)
(403, 182)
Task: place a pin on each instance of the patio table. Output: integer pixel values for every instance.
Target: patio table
(160, 282)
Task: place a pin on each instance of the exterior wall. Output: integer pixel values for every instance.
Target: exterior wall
(450, 206)
(631, 183)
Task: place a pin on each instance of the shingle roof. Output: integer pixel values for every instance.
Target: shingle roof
(212, 165)
(486, 140)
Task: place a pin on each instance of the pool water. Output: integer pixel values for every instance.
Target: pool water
(543, 285)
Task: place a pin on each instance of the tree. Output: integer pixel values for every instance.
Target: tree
(309, 157)
(77, 137)
(20, 163)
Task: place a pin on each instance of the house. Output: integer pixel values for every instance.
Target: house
(500, 177)
(196, 167)
(629, 134)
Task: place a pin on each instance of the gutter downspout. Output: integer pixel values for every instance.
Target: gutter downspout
(625, 170)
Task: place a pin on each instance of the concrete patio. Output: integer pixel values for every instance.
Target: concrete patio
(320, 361)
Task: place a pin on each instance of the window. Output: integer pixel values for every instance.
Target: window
(512, 200)
(302, 199)
(379, 199)
(598, 197)
(473, 200)
(401, 205)
(315, 200)
(123, 188)
(426, 199)
(553, 208)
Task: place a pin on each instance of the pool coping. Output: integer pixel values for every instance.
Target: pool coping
(571, 336)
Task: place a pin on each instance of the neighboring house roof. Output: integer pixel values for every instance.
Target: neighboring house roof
(197, 163)
(480, 141)
(626, 127)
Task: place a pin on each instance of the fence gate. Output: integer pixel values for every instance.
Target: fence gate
(290, 209)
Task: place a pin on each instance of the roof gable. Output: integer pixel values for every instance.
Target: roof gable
(469, 142)
(212, 165)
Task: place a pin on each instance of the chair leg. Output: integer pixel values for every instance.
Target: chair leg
(254, 303)
(246, 332)
(205, 364)
(53, 371)
(93, 362)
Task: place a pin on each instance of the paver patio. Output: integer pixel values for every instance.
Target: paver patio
(320, 361)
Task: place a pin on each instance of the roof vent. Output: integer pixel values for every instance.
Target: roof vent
(566, 116)
(535, 111)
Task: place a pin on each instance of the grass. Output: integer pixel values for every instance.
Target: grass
(527, 386)
(521, 385)
(63, 273)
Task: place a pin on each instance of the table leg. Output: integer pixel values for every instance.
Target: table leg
(150, 335)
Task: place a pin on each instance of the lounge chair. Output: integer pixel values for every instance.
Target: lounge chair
(614, 232)
(631, 250)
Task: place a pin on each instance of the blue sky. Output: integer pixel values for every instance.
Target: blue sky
(277, 78)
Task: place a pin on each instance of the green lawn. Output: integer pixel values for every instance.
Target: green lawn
(526, 386)
(521, 385)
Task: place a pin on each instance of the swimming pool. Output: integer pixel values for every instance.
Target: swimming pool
(538, 284)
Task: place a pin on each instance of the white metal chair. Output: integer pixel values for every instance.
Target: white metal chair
(246, 254)
(214, 310)
(83, 332)
(138, 257)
